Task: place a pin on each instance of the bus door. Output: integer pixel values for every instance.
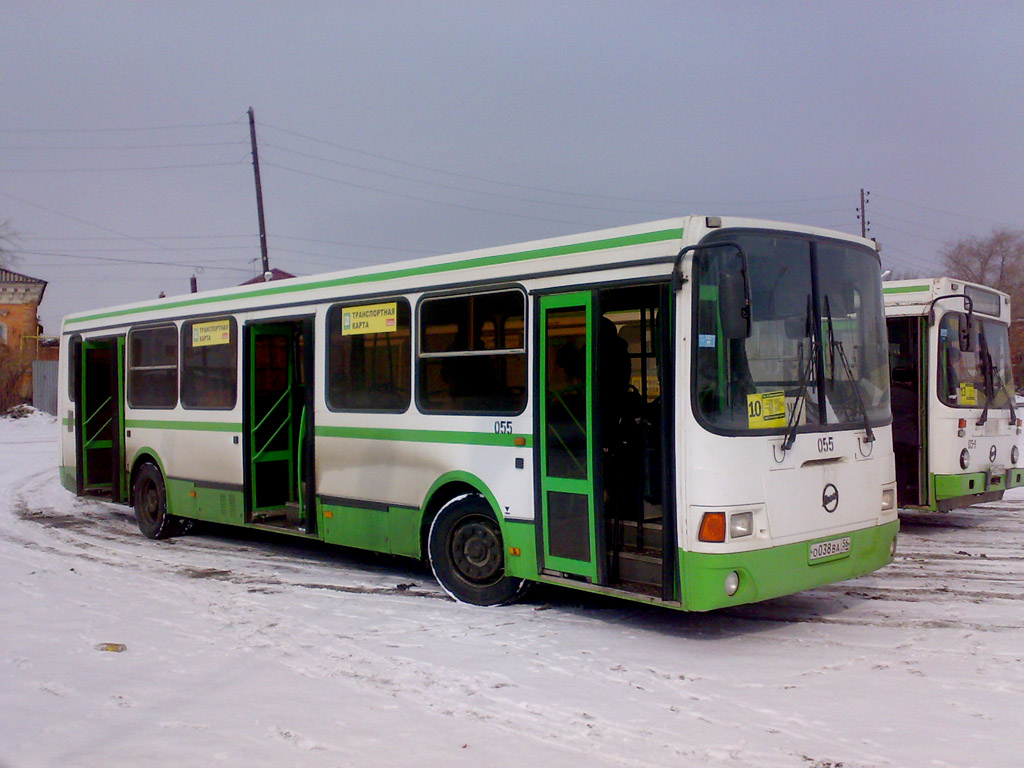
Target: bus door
(569, 531)
(278, 430)
(99, 417)
(908, 365)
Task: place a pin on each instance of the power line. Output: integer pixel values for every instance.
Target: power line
(421, 199)
(139, 129)
(89, 223)
(550, 190)
(911, 234)
(400, 177)
(86, 253)
(114, 259)
(939, 210)
(105, 147)
(250, 236)
(147, 237)
(118, 170)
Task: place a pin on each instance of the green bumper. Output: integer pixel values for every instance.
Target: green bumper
(767, 573)
(974, 483)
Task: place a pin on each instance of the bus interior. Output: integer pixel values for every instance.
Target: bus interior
(634, 412)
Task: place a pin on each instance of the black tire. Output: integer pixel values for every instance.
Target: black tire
(151, 505)
(467, 554)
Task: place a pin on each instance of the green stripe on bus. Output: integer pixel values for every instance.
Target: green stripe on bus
(907, 289)
(425, 436)
(480, 261)
(195, 426)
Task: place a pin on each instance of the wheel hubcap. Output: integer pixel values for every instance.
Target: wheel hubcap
(150, 502)
(476, 551)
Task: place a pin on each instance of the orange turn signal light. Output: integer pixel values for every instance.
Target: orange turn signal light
(712, 527)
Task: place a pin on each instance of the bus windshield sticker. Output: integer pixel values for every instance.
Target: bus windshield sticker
(211, 334)
(706, 340)
(968, 395)
(369, 318)
(766, 410)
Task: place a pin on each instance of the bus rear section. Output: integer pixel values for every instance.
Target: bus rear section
(955, 423)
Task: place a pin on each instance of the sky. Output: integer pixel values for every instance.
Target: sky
(394, 130)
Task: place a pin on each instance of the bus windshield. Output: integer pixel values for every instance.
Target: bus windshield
(815, 357)
(962, 375)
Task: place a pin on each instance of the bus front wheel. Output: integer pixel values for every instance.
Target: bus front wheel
(151, 505)
(467, 554)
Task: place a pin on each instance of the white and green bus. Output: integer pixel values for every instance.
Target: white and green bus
(692, 412)
(955, 429)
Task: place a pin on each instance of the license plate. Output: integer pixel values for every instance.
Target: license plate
(830, 548)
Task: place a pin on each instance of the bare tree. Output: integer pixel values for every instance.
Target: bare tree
(15, 366)
(996, 261)
(7, 238)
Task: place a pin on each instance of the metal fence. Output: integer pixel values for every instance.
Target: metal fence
(44, 385)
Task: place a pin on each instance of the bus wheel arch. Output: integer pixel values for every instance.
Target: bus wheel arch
(438, 497)
(466, 552)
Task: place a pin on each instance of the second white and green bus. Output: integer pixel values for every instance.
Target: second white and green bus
(691, 412)
(955, 427)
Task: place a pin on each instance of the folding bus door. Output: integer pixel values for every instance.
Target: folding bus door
(278, 429)
(99, 417)
(569, 531)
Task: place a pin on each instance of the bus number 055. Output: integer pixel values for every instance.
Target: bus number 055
(503, 427)
(826, 444)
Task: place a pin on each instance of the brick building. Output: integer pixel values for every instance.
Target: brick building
(20, 333)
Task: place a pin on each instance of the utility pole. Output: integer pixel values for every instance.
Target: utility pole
(862, 213)
(259, 193)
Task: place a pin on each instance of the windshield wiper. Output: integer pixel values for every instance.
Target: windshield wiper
(987, 371)
(837, 346)
(805, 377)
(1009, 396)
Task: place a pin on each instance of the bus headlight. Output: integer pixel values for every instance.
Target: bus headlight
(888, 499)
(965, 459)
(1014, 455)
(732, 583)
(741, 524)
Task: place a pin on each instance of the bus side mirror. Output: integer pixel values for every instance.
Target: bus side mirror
(733, 305)
(966, 336)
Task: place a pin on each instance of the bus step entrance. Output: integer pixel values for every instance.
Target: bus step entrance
(636, 561)
(285, 516)
(646, 537)
(640, 569)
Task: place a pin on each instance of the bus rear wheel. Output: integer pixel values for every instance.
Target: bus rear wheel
(467, 554)
(151, 505)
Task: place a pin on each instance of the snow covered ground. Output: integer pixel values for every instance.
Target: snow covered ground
(250, 650)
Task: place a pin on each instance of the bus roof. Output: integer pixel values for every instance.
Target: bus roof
(657, 241)
(915, 296)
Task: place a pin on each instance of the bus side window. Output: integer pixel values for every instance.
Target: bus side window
(209, 364)
(472, 354)
(369, 366)
(153, 367)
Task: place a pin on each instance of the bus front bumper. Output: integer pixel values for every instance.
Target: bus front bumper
(782, 570)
